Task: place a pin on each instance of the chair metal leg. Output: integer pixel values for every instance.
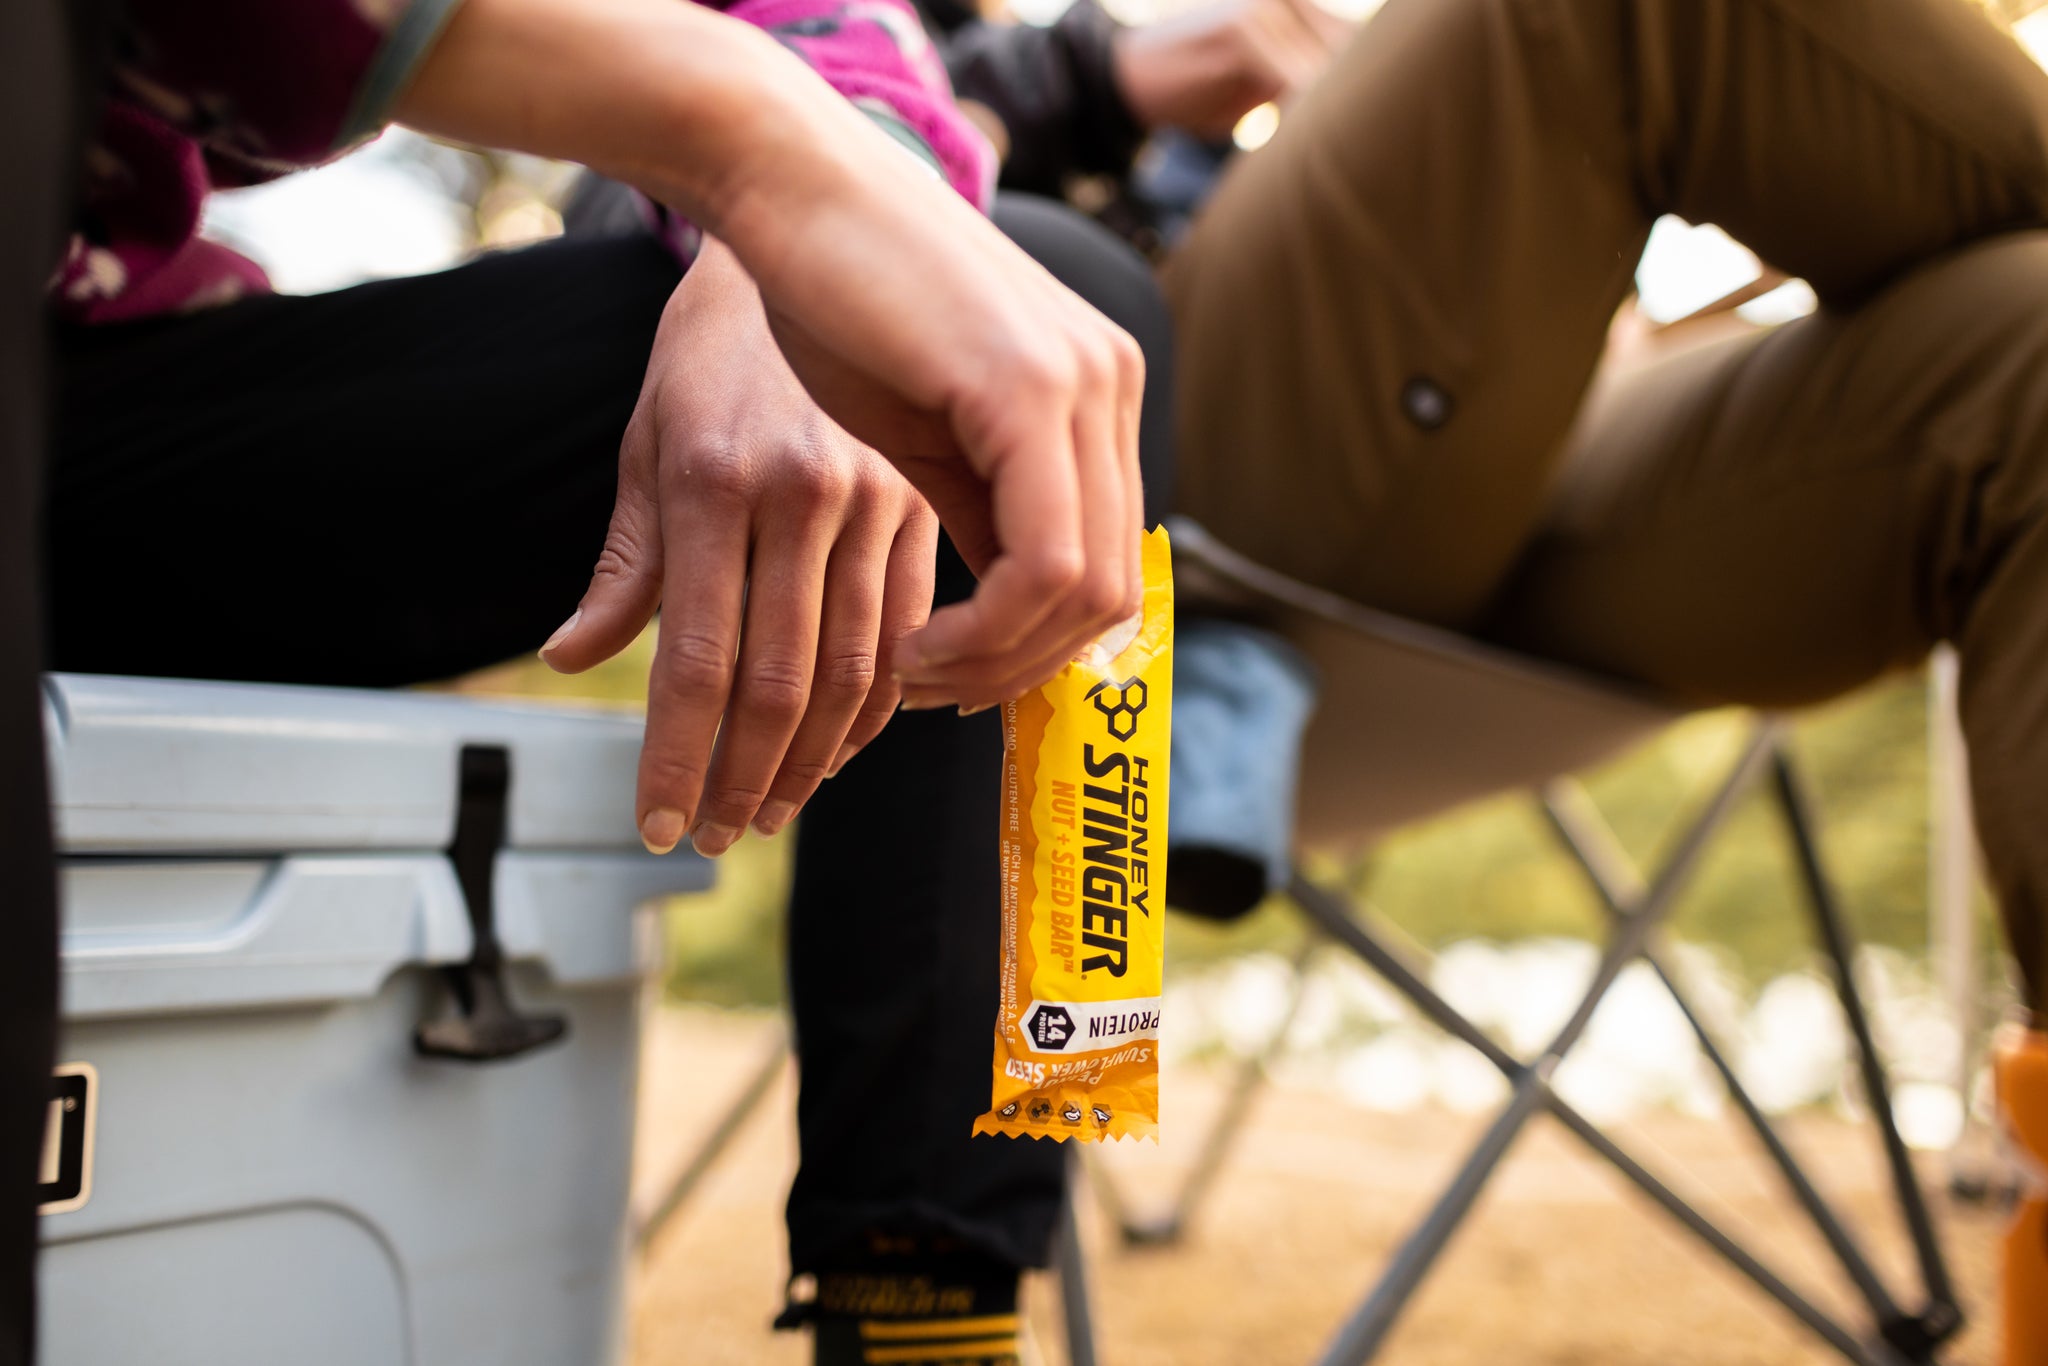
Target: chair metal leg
(1634, 930)
(1943, 1316)
(1327, 909)
(1071, 1259)
(1636, 918)
(684, 1184)
(1766, 1280)
(1362, 1335)
(1217, 1141)
(1636, 914)
(1578, 825)
(1974, 1173)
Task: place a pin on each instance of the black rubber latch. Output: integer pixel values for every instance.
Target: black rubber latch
(486, 1027)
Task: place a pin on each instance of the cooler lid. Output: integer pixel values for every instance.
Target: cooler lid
(143, 765)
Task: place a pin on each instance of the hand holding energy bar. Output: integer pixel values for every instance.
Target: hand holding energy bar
(1085, 770)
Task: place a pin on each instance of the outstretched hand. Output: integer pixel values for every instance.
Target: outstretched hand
(787, 559)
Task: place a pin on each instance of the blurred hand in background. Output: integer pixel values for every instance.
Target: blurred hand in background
(1203, 71)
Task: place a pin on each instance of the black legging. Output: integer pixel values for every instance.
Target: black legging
(411, 478)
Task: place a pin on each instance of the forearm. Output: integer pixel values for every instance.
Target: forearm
(677, 100)
(910, 322)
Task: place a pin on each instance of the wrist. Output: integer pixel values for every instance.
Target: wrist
(716, 282)
(677, 100)
(726, 113)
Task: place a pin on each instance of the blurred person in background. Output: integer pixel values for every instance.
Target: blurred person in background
(1390, 324)
(1071, 105)
(408, 479)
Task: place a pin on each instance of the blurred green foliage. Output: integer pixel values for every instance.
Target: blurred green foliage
(1491, 870)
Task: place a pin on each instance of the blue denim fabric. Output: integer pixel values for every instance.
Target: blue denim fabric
(1241, 698)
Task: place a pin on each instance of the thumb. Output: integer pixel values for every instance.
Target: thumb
(625, 588)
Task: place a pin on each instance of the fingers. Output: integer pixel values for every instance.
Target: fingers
(906, 603)
(1129, 414)
(846, 672)
(704, 588)
(625, 587)
(1284, 54)
(960, 498)
(980, 688)
(841, 568)
(779, 653)
(1331, 30)
(1069, 560)
(1298, 41)
(1112, 497)
(1034, 499)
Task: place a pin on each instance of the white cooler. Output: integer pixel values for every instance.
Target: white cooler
(351, 1017)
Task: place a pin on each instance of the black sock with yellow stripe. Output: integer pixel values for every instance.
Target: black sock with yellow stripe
(957, 1310)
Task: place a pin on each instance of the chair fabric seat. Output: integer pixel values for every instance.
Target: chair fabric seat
(1413, 719)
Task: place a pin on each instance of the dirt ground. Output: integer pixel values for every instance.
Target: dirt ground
(1562, 1264)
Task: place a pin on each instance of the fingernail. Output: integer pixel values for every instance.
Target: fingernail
(976, 709)
(561, 634)
(662, 830)
(922, 704)
(713, 840)
(773, 816)
(845, 752)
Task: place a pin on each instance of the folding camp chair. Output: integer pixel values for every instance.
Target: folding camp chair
(1415, 720)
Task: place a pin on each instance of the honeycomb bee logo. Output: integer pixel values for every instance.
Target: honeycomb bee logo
(1072, 1114)
(1121, 715)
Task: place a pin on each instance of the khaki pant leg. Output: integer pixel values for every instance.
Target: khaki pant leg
(1777, 519)
(1387, 317)
(1358, 401)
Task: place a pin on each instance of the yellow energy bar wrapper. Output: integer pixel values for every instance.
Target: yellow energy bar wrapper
(1084, 887)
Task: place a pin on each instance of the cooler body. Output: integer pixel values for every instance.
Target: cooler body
(267, 893)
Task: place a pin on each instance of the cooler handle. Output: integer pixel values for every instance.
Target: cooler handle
(487, 1026)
